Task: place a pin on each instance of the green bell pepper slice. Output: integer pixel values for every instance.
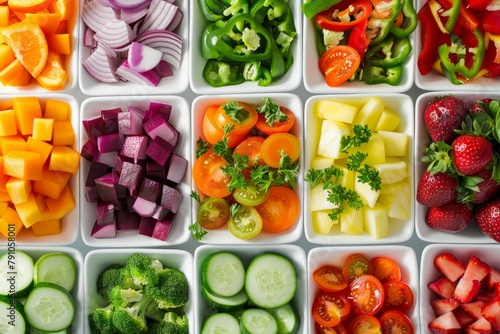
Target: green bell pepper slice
(379, 27)
(373, 75)
(208, 52)
(215, 10)
(266, 78)
(410, 20)
(459, 49)
(220, 73)
(313, 7)
(241, 39)
(389, 52)
(252, 70)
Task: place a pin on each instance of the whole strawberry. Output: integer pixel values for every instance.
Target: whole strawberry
(470, 154)
(452, 217)
(476, 107)
(436, 189)
(442, 115)
(487, 216)
(488, 188)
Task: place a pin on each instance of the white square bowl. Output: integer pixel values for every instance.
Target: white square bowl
(246, 253)
(404, 256)
(314, 80)
(434, 81)
(175, 84)
(428, 273)
(289, 81)
(399, 231)
(70, 63)
(472, 233)
(77, 293)
(180, 120)
(70, 222)
(292, 102)
(98, 260)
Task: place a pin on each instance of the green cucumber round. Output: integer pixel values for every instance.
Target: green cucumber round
(56, 267)
(223, 274)
(12, 317)
(225, 304)
(16, 274)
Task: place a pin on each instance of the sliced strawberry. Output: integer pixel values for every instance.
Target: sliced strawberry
(482, 326)
(443, 287)
(445, 324)
(463, 318)
(449, 266)
(469, 285)
(469, 330)
(473, 308)
(491, 312)
(485, 296)
(442, 306)
(492, 279)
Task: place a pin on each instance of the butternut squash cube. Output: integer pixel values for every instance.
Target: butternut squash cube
(18, 190)
(43, 129)
(23, 165)
(4, 196)
(7, 123)
(64, 159)
(43, 148)
(29, 212)
(59, 207)
(10, 222)
(12, 143)
(52, 184)
(3, 207)
(6, 55)
(57, 110)
(63, 133)
(47, 227)
(26, 109)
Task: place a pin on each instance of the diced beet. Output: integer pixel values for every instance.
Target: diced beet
(144, 207)
(122, 205)
(127, 221)
(107, 187)
(138, 113)
(96, 169)
(135, 147)
(155, 171)
(93, 127)
(160, 213)
(176, 168)
(162, 227)
(147, 226)
(150, 190)
(131, 176)
(103, 231)
(109, 126)
(120, 160)
(129, 123)
(105, 213)
(107, 158)
(92, 195)
(157, 126)
(110, 114)
(170, 198)
(158, 108)
(159, 150)
(110, 143)
(89, 149)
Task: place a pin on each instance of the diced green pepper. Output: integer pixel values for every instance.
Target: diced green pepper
(373, 75)
(220, 73)
(215, 10)
(313, 7)
(410, 20)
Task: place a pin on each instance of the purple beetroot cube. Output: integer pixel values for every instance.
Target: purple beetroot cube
(96, 169)
(89, 149)
(110, 114)
(176, 168)
(159, 150)
(147, 226)
(158, 108)
(157, 126)
(92, 127)
(103, 231)
(135, 147)
(129, 123)
(171, 198)
(155, 171)
(131, 176)
(107, 187)
(110, 142)
(163, 227)
(92, 195)
(105, 213)
(107, 158)
(144, 207)
(126, 221)
(150, 190)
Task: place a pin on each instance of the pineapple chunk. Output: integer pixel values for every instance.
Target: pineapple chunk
(370, 113)
(335, 111)
(376, 221)
(347, 179)
(388, 121)
(398, 203)
(319, 162)
(329, 141)
(319, 199)
(367, 194)
(374, 148)
(391, 188)
(395, 143)
(392, 171)
(322, 223)
(351, 221)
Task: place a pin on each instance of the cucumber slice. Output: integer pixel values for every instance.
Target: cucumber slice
(56, 267)
(271, 280)
(288, 321)
(225, 304)
(221, 323)
(16, 274)
(258, 321)
(223, 274)
(12, 318)
(49, 307)
(37, 331)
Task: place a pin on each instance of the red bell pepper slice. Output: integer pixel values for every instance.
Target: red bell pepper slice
(465, 18)
(491, 21)
(478, 4)
(491, 59)
(330, 18)
(357, 38)
(431, 38)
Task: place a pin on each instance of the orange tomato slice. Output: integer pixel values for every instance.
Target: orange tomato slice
(338, 64)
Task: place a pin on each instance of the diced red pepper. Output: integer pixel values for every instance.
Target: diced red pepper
(357, 38)
(491, 21)
(431, 38)
(478, 4)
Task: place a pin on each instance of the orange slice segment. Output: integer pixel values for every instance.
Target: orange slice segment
(47, 21)
(29, 45)
(29, 6)
(53, 76)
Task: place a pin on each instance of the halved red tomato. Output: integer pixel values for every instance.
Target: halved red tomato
(338, 64)
(240, 114)
(398, 296)
(208, 175)
(366, 295)
(339, 329)
(330, 308)
(330, 278)
(395, 322)
(364, 324)
(356, 265)
(214, 133)
(385, 269)
(251, 147)
(280, 210)
(284, 126)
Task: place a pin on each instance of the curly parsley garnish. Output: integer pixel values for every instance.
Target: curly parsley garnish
(197, 231)
(272, 112)
(362, 134)
(235, 111)
(203, 147)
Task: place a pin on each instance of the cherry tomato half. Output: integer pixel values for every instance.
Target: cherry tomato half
(330, 308)
(398, 296)
(385, 269)
(338, 64)
(213, 213)
(330, 278)
(356, 265)
(214, 133)
(280, 210)
(395, 322)
(245, 223)
(240, 114)
(208, 175)
(366, 295)
(284, 126)
(364, 324)
(339, 329)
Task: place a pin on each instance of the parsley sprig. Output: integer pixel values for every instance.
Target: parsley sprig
(203, 147)
(272, 112)
(197, 231)
(235, 111)
(235, 172)
(362, 134)
(264, 177)
(221, 147)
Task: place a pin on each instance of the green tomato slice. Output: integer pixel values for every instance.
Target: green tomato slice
(246, 223)
(250, 196)
(213, 213)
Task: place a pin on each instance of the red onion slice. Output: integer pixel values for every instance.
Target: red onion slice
(95, 15)
(129, 4)
(115, 34)
(176, 21)
(100, 66)
(165, 41)
(149, 78)
(131, 16)
(159, 16)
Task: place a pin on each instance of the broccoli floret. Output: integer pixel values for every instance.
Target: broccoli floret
(172, 289)
(120, 297)
(235, 7)
(132, 319)
(108, 279)
(171, 324)
(101, 320)
(143, 270)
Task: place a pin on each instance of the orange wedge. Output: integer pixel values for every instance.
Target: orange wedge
(53, 76)
(47, 21)
(29, 6)
(65, 7)
(29, 45)
(4, 16)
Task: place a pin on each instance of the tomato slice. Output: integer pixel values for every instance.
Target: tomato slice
(330, 308)
(280, 210)
(330, 278)
(284, 126)
(213, 213)
(398, 296)
(339, 329)
(214, 133)
(395, 322)
(338, 64)
(250, 195)
(275, 144)
(364, 324)
(251, 148)
(240, 114)
(366, 295)
(385, 269)
(245, 223)
(356, 265)
(208, 175)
